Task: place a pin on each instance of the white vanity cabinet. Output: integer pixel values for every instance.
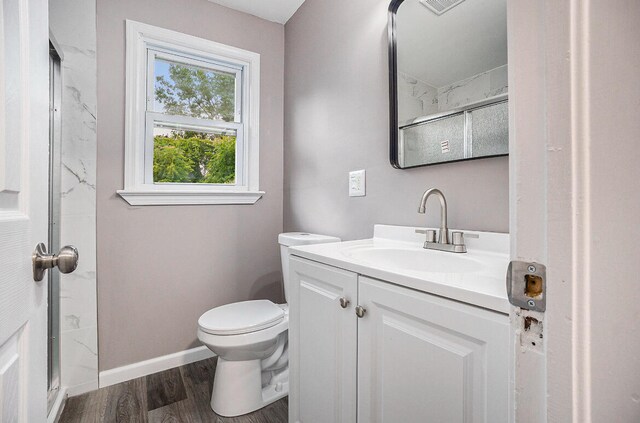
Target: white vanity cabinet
(323, 343)
(423, 358)
(419, 357)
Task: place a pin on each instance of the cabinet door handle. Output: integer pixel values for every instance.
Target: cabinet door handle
(360, 311)
(344, 302)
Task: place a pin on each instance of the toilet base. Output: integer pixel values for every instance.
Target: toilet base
(238, 390)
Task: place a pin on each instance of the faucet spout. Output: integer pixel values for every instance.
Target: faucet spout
(443, 237)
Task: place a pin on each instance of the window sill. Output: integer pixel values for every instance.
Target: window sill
(184, 197)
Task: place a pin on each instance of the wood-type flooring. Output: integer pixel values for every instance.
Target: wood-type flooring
(180, 395)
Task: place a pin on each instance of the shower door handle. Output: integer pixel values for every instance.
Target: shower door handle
(66, 260)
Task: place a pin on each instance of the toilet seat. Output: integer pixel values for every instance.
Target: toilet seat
(241, 318)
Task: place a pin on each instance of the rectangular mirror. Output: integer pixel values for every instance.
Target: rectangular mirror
(448, 81)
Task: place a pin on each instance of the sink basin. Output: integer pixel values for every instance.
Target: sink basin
(414, 259)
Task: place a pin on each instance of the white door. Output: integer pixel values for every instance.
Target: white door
(24, 119)
(323, 352)
(422, 358)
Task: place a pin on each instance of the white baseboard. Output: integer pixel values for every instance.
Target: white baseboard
(76, 390)
(58, 406)
(154, 365)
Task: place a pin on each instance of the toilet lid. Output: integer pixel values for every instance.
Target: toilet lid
(242, 317)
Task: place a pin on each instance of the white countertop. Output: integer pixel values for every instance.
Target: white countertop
(485, 287)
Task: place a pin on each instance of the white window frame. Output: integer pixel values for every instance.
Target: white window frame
(144, 43)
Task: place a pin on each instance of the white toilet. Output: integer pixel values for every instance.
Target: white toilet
(250, 340)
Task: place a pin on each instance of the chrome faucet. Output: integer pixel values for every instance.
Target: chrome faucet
(457, 245)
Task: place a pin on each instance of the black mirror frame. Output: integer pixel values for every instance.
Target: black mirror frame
(393, 95)
(393, 84)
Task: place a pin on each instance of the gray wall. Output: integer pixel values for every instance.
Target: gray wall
(160, 267)
(336, 108)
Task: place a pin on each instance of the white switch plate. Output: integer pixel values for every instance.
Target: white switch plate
(357, 183)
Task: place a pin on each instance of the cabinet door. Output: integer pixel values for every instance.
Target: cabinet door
(323, 343)
(423, 358)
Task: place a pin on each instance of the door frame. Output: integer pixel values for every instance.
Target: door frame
(549, 202)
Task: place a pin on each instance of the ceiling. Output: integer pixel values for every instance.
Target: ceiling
(469, 39)
(272, 10)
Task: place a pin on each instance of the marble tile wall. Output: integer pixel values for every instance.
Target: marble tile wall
(72, 24)
(476, 88)
(417, 98)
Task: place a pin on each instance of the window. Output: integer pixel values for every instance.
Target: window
(191, 122)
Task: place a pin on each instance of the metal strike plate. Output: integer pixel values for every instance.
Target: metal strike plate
(527, 285)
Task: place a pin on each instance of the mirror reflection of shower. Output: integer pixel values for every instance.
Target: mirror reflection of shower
(450, 80)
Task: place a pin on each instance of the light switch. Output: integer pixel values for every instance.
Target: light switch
(357, 183)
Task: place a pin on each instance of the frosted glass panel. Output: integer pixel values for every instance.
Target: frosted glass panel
(490, 130)
(478, 132)
(431, 142)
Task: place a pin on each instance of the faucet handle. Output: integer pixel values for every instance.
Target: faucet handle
(458, 237)
(430, 233)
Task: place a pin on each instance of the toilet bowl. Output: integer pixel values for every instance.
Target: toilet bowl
(251, 342)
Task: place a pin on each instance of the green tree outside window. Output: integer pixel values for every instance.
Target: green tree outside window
(195, 157)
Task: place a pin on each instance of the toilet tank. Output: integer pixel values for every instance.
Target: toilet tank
(292, 239)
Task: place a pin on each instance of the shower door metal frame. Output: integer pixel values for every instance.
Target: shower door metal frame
(55, 167)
